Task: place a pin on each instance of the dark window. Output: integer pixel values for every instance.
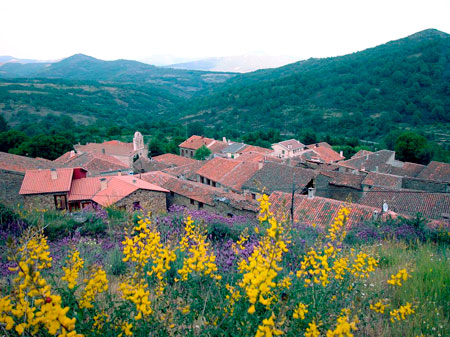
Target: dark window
(230, 215)
(137, 206)
(172, 194)
(213, 184)
(254, 196)
(200, 204)
(60, 202)
(202, 180)
(192, 201)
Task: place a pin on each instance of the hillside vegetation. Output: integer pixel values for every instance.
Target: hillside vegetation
(404, 82)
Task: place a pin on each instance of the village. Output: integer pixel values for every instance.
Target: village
(233, 176)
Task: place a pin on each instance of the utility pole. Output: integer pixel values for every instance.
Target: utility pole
(292, 198)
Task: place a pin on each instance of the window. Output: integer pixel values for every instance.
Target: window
(253, 196)
(172, 194)
(137, 206)
(60, 202)
(213, 184)
(200, 205)
(192, 201)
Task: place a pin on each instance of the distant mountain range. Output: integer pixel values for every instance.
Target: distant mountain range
(237, 64)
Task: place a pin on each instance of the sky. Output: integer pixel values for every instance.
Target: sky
(191, 29)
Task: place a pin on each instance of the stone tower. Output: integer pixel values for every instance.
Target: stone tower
(138, 141)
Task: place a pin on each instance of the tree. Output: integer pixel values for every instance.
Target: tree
(11, 139)
(202, 153)
(155, 147)
(3, 124)
(413, 147)
(45, 146)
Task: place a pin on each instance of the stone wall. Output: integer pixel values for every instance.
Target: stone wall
(10, 182)
(325, 190)
(41, 201)
(152, 201)
(425, 185)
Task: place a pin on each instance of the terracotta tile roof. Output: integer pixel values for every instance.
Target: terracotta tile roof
(216, 168)
(146, 165)
(259, 149)
(112, 147)
(318, 211)
(436, 171)
(17, 163)
(348, 180)
(95, 163)
(278, 177)
(84, 189)
(186, 171)
(369, 162)
(234, 148)
(200, 192)
(407, 169)
(291, 144)
(254, 157)
(174, 160)
(321, 144)
(361, 153)
(383, 180)
(40, 181)
(118, 187)
(195, 142)
(410, 202)
(326, 154)
(239, 175)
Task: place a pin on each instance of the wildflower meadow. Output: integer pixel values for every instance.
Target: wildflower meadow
(192, 273)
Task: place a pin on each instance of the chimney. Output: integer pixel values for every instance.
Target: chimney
(341, 153)
(103, 151)
(103, 184)
(376, 169)
(317, 145)
(260, 165)
(224, 139)
(72, 153)
(53, 174)
(134, 181)
(311, 192)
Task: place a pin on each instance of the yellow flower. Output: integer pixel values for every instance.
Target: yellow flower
(397, 279)
(312, 330)
(97, 283)
(343, 328)
(267, 328)
(402, 312)
(71, 271)
(378, 307)
(300, 311)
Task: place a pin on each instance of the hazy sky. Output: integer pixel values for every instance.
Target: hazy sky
(107, 29)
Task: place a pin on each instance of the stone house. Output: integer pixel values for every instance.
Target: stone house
(195, 195)
(70, 189)
(339, 185)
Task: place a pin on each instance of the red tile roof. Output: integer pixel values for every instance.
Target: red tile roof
(228, 172)
(200, 192)
(258, 149)
(291, 144)
(436, 171)
(348, 180)
(383, 180)
(186, 171)
(95, 163)
(318, 211)
(84, 189)
(195, 142)
(279, 177)
(174, 160)
(326, 154)
(40, 181)
(254, 157)
(410, 202)
(407, 169)
(361, 153)
(17, 163)
(369, 162)
(215, 169)
(118, 187)
(113, 147)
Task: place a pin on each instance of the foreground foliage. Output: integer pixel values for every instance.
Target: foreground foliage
(175, 283)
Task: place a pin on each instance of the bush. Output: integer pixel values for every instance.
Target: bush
(7, 214)
(115, 262)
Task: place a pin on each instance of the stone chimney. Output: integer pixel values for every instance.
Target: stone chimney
(54, 174)
(72, 153)
(103, 184)
(341, 153)
(311, 192)
(260, 165)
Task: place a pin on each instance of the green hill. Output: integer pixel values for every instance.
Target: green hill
(403, 83)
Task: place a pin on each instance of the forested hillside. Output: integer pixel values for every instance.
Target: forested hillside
(403, 83)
